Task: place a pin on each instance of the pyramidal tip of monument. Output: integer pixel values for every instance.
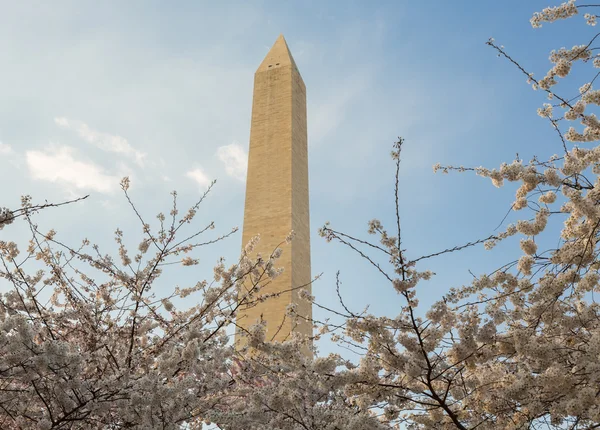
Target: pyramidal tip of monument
(279, 55)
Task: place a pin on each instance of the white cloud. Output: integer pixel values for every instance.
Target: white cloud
(104, 141)
(58, 164)
(199, 176)
(235, 159)
(5, 149)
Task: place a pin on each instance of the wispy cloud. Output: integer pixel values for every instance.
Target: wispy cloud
(235, 159)
(329, 109)
(59, 164)
(106, 142)
(199, 176)
(5, 149)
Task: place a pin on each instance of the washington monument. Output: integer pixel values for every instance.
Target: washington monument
(277, 193)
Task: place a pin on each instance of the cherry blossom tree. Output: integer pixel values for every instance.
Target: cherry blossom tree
(518, 348)
(105, 351)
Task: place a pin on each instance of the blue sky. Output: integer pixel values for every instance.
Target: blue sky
(93, 91)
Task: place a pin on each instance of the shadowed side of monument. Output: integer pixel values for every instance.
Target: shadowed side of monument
(277, 194)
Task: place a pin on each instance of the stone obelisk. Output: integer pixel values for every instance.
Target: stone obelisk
(277, 193)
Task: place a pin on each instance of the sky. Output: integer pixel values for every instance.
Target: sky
(162, 92)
